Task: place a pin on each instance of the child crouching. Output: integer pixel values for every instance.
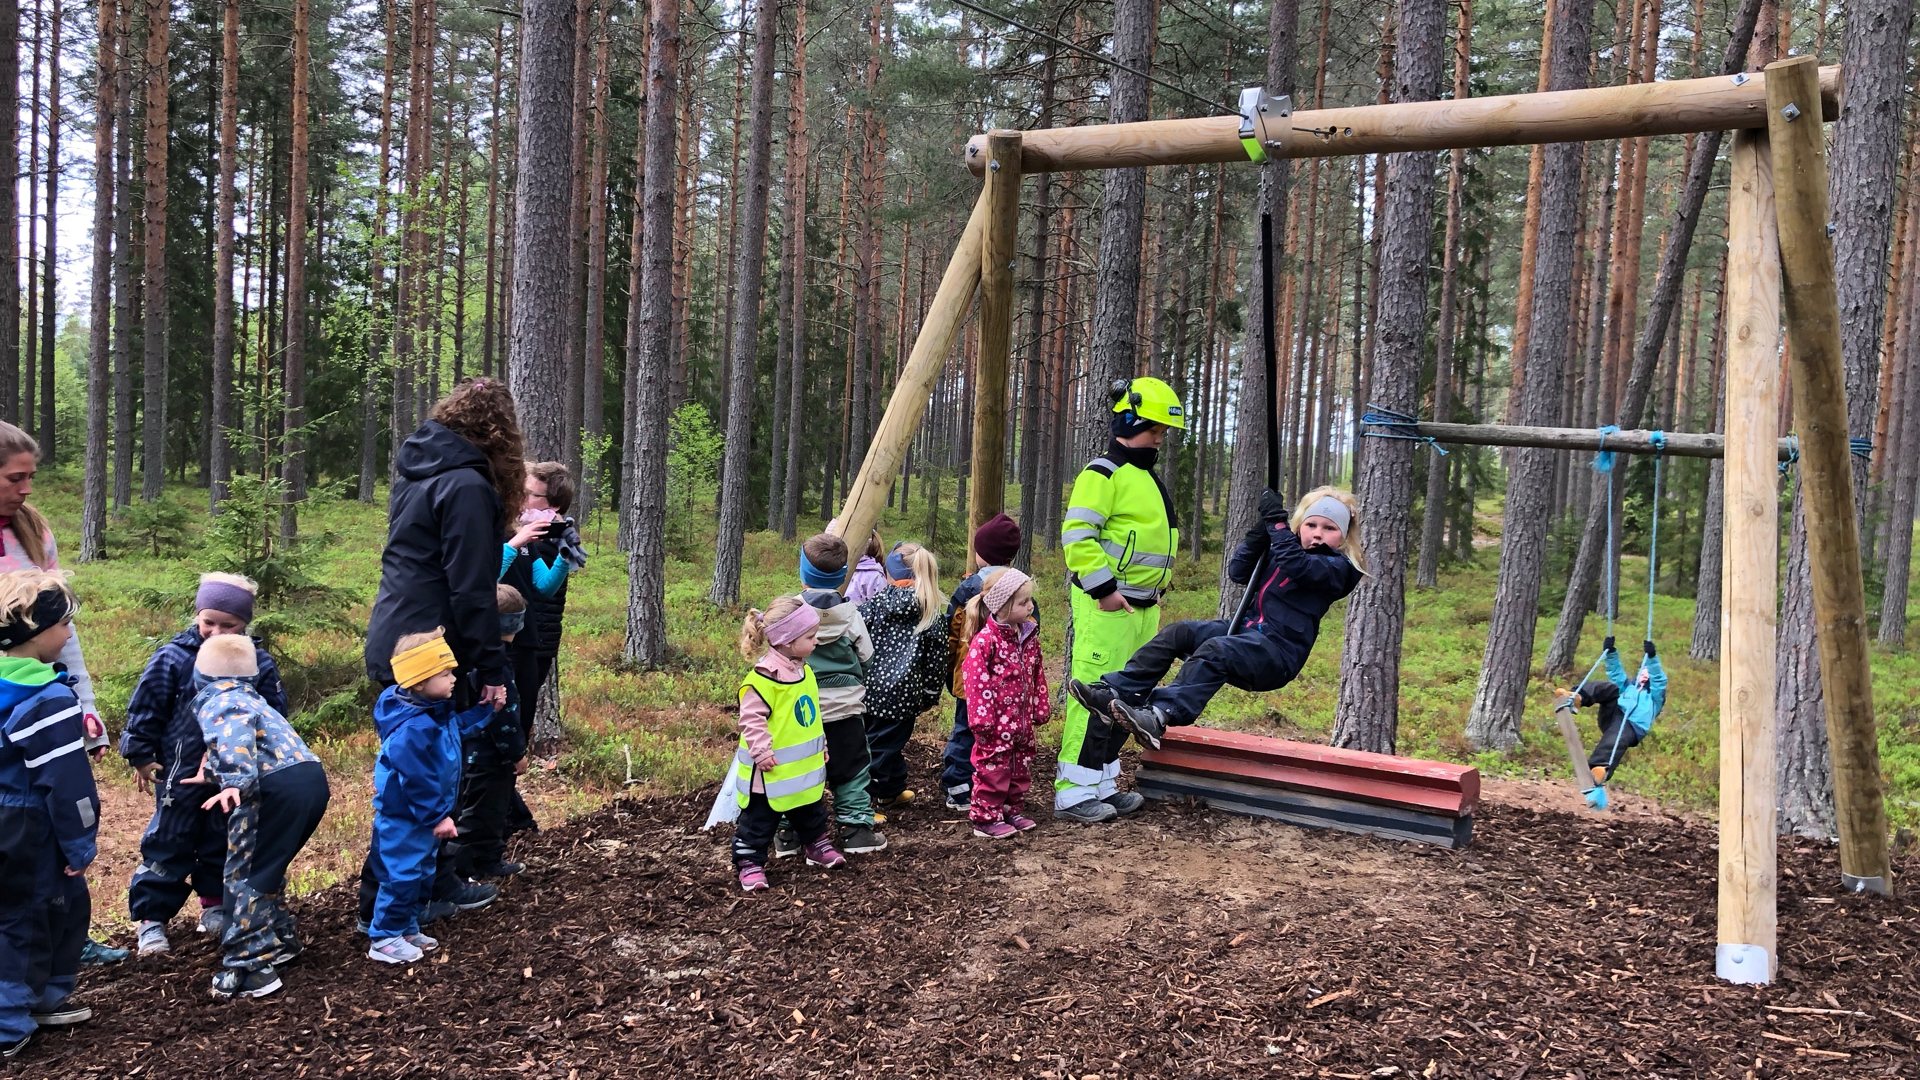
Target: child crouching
(273, 792)
(49, 812)
(1006, 689)
(780, 766)
(415, 781)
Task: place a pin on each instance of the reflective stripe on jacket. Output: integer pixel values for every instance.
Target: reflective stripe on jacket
(799, 774)
(1119, 533)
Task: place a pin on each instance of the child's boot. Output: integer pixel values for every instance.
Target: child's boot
(862, 840)
(1145, 721)
(1599, 773)
(786, 842)
(231, 983)
(1125, 802)
(1597, 798)
(822, 853)
(152, 939)
(214, 921)
(1096, 697)
(995, 830)
(753, 877)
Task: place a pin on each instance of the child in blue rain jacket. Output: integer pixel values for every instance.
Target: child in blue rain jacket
(1628, 709)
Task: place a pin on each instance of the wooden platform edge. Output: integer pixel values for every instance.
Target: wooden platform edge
(1312, 811)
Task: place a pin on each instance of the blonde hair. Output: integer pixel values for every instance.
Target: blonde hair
(414, 641)
(20, 589)
(1350, 545)
(238, 581)
(926, 581)
(975, 614)
(28, 526)
(222, 654)
(753, 632)
(508, 600)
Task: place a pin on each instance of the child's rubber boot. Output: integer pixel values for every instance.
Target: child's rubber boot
(1597, 798)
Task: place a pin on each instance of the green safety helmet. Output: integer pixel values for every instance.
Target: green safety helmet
(1148, 399)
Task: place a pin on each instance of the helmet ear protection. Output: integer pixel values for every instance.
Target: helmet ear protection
(1125, 399)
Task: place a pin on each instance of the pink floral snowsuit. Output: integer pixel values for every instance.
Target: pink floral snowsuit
(1007, 697)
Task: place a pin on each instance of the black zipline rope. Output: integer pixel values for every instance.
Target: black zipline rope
(1269, 359)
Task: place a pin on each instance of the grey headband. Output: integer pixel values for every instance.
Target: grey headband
(1332, 509)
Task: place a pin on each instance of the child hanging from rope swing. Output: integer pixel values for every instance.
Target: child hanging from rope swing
(1627, 711)
(1312, 560)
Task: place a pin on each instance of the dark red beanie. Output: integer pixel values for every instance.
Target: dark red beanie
(996, 541)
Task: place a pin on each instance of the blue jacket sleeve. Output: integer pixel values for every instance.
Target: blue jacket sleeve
(269, 684)
(413, 754)
(507, 555)
(1333, 574)
(51, 739)
(149, 709)
(1657, 684)
(549, 576)
(1245, 557)
(1614, 671)
(474, 720)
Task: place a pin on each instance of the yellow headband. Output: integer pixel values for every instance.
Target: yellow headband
(423, 662)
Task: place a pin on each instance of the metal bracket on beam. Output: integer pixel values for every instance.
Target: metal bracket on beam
(1261, 114)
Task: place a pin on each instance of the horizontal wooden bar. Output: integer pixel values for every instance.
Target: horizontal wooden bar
(1461, 783)
(1636, 441)
(1676, 107)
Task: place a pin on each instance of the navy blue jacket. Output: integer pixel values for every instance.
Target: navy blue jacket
(1297, 586)
(161, 725)
(442, 558)
(47, 797)
(416, 778)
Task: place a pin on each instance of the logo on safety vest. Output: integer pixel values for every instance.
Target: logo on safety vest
(806, 712)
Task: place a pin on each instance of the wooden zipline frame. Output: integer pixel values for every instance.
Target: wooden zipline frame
(1777, 215)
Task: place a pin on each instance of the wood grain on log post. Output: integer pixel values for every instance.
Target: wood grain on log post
(1826, 470)
(908, 404)
(1750, 559)
(1720, 103)
(1002, 195)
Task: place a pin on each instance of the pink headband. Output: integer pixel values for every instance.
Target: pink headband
(1002, 587)
(793, 627)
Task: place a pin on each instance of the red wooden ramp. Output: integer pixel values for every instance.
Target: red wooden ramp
(1312, 785)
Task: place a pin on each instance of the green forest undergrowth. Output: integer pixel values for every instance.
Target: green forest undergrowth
(670, 730)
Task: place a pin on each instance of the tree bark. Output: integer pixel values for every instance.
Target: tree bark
(10, 211)
(1501, 691)
(1368, 714)
(49, 310)
(646, 642)
(1905, 474)
(573, 374)
(220, 454)
(93, 499)
(593, 389)
(1427, 575)
(1706, 609)
(294, 460)
(1116, 302)
(542, 212)
(797, 228)
(154, 333)
(1255, 400)
(748, 272)
(1866, 151)
(125, 306)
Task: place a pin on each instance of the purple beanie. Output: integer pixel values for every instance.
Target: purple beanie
(223, 596)
(997, 540)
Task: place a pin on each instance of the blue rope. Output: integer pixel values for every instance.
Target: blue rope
(1376, 416)
(1793, 454)
(1659, 440)
(1862, 446)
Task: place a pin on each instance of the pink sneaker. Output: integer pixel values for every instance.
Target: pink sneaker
(753, 878)
(996, 830)
(1021, 822)
(822, 853)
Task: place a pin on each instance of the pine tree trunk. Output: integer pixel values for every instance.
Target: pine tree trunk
(154, 334)
(1706, 609)
(630, 380)
(1905, 474)
(93, 500)
(593, 400)
(1116, 302)
(748, 273)
(377, 313)
(1247, 477)
(797, 229)
(572, 325)
(543, 224)
(1428, 573)
(489, 325)
(1368, 714)
(1503, 682)
(10, 212)
(125, 306)
(294, 463)
(220, 453)
(49, 310)
(646, 642)
(29, 353)
(1866, 151)
(1030, 397)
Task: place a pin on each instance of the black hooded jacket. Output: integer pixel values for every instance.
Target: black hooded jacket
(442, 558)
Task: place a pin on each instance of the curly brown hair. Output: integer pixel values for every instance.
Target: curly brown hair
(481, 411)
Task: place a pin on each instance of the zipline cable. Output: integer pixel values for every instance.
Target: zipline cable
(1270, 360)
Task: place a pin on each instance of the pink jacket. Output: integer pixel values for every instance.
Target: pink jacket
(1005, 680)
(779, 667)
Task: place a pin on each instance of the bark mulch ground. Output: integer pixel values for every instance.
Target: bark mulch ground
(1183, 942)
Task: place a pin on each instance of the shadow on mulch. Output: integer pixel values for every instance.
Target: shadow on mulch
(1182, 942)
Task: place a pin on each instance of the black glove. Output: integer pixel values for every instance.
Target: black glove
(1648, 646)
(1273, 508)
(1607, 645)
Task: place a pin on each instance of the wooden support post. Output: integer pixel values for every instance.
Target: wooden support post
(1749, 577)
(1678, 443)
(1826, 472)
(945, 316)
(1719, 103)
(1002, 196)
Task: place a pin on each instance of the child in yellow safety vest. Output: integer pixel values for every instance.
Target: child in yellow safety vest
(780, 767)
